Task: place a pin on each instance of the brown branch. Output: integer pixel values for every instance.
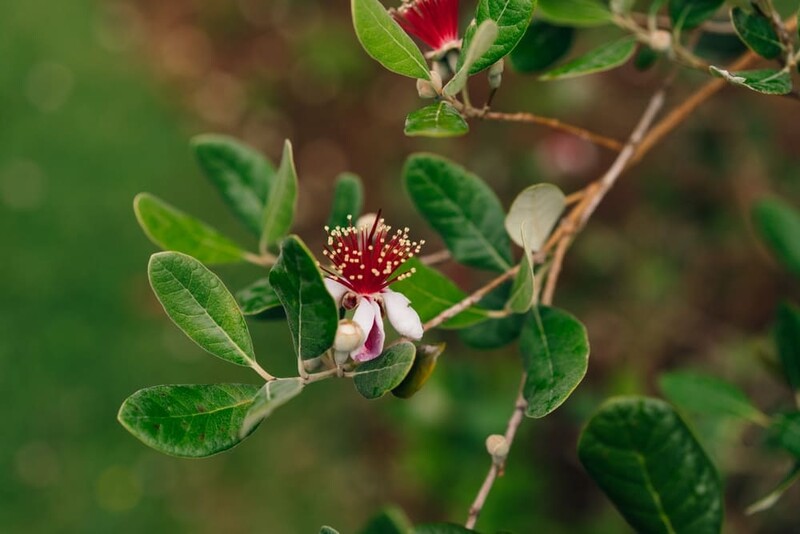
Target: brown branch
(435, 258)
(573, 223)
(598, 139)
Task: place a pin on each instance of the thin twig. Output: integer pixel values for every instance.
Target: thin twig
(572, 224)
(598, 139)
(471, 300)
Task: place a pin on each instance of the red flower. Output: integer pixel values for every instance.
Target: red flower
(434, 22)
(365, 260)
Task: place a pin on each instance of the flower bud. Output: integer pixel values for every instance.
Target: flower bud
(661, 40)
(425, 89)
(496, 74)
(497, 445)
(349, 336)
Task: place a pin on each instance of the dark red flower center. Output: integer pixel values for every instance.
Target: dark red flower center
(365, 258)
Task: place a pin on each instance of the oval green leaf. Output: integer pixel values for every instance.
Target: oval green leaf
(709, 395)
(282, 202)
(691, 13)
(541, 47)
(192, 421)
(421, 371)
(778, 223)
(575, 12)
(764, 81)
(512, 18)
(462, 209)
(604, 58)
(786, 431)
(756, 31)
(442, 528)
(257, 298)
(199, 304)
(348, 200)
(375, 378)
(555, 356)
(390, 520)
(431, 293)
(310, 310)
(787, 339)
(172, 229)
(646, 460)
(437, 120)
(241, 174)
(533, 214)
(385, 41)
(521, 298)
(272, 396)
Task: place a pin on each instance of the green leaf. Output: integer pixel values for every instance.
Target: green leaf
(436, 120)
(786, 429)
(645, 58)
(756, 31)
(421, 370)
(279, 209)
(391, 520)
(385, 41)
(708, 395)
(348, 199)
(241, 174)
(512, 18)
(328, 530)
(188, 421)
(769, 500)
(310, 309)
(494, 333)
(375, 378)
(257, 298)
(199, 304)
(441, 528)
(272, 396)
(646, 460)
(555, 355)
(481, 41)
(691, 13)
(431, 292)
(765, 81)
(462, 209)
(604, 58)
(534, 213)
(787, 338)
(542, 46)
(172, 229)
(521, 298)
(575, 12)
(778, 223)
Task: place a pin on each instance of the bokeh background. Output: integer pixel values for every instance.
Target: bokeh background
(97, 102)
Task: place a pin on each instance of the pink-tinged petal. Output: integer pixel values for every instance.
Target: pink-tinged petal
(373, 346)
(402, 316)
(336, 290)
(364, 316)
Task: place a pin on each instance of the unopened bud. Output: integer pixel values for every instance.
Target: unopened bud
(349, 336)
(497, 445)
(496, 74)
(425, 89)
(661, 40)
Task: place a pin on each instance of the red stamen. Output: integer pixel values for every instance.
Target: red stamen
(365, 259)
(434, 22)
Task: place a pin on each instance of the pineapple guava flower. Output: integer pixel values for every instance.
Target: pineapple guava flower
(434, 22)
(364, 261)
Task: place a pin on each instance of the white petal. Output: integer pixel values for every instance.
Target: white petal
(336, 289)
(373, 346)
(365, 317)
(402, 316)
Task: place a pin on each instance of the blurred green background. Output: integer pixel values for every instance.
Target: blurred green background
(99, 100)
